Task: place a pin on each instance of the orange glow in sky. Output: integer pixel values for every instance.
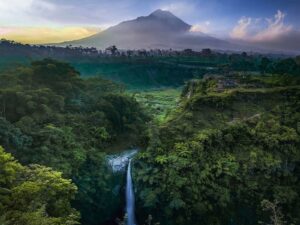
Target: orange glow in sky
(42, 35)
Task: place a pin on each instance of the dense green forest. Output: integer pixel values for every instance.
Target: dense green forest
(34, 194)
(52, 117)
(222, 154)
(146, 69)
(219, 146)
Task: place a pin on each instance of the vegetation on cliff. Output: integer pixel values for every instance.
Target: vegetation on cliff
(222, 154)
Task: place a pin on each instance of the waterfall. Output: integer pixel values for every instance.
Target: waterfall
(118, 163)
(129, 197)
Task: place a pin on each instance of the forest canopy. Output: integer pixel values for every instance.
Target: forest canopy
(34, 194)
(227, 141)
(50, 116)
(229, 151)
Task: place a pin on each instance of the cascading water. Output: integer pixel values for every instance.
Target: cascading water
(118, 163)
(129, 197)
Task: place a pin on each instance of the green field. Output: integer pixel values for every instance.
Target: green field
(159, 102)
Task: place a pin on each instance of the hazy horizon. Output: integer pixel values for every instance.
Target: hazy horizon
(274, 24)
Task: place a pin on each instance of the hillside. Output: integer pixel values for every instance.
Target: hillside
(233, 151)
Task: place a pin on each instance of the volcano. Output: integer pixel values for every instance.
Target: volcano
(161, 29)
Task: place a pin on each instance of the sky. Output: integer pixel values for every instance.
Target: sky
(268, 22)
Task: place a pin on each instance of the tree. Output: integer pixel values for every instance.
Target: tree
(34, 195)
(276, 214)
(265, 62)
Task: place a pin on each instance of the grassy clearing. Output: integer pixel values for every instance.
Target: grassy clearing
(159, 102)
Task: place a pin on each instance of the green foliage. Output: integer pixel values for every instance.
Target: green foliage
(221, 155)
(211, 161)
(34, 195)
(12, 137)
(159, 103)
(276, 214)
(142, 69)
(50, 116)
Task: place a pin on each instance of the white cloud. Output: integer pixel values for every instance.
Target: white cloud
(250, 29)
(275, 29)
(14, 5)
(203, 27)
(54, 13)
(23, 12)
(241, 30)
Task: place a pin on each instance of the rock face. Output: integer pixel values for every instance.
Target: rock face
(160, 29)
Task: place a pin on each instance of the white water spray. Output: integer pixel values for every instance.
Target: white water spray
(118, 162)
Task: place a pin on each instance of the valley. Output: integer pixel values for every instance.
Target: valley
(214, 142)
(153, 120)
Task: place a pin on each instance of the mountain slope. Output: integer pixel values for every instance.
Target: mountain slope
(160, 29)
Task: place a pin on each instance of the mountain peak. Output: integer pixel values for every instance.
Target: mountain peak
(162, 13)
(160, 29)
(167, 20)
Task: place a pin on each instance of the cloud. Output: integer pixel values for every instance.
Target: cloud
(275, 29)
(23, 12)
(270, 33)
(15, 5)
(249, 28)
(203, 27)
(240, 31)
(62, 13)
(288, 41)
